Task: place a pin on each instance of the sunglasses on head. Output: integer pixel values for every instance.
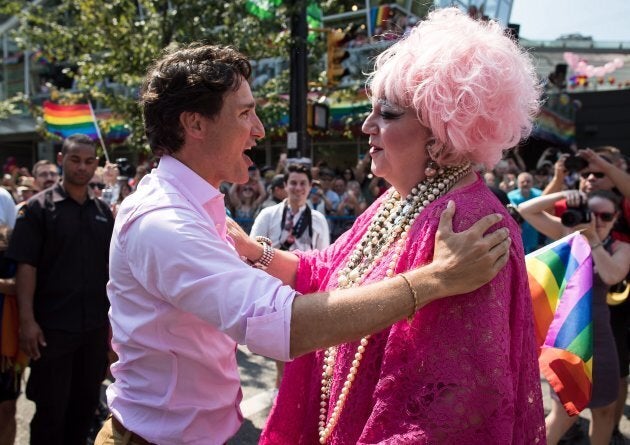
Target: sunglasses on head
(98, 185)
(598, 175)
(604, 216)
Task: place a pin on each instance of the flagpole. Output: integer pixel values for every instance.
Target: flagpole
(98, 132)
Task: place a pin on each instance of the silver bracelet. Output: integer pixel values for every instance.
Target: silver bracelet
(267, 255)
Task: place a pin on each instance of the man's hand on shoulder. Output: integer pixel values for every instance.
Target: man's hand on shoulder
(467, 260)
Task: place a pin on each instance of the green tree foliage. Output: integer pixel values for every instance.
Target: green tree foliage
(108, 45)
(112, 43)
(10, 107)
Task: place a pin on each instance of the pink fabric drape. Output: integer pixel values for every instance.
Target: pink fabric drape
(464, 371)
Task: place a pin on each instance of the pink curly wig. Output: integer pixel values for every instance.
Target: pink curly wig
(473, 87)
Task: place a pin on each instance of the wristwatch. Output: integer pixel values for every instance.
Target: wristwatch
(268, 253)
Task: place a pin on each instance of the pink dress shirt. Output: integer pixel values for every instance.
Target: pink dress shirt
(181, 299)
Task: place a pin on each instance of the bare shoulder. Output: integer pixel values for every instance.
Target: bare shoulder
(621, 247)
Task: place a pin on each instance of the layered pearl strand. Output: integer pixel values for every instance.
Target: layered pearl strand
(390, 225)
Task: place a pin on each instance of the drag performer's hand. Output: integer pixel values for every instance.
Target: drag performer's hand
(467, 260)
(245, 246)
(31, 338)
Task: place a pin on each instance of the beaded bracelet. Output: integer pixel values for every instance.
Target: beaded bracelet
(414, 295)
(268, 253)
(597, 245)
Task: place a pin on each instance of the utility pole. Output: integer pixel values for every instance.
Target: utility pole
(297, 94)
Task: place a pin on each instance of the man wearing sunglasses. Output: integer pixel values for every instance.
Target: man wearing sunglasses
(601, 173)
(97, 184)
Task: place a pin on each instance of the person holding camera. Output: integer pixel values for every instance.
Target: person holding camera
(597, 172)
(603, 168)
(316, 198)
(595, 214)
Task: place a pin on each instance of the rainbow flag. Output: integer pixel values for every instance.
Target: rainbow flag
(553, 127)
(378, 16)
(561, 283)
(116, 129)
(66, 120)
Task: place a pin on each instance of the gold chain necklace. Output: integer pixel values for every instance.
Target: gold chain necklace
(390, 225)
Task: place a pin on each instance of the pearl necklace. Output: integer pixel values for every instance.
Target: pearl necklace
(390, 225)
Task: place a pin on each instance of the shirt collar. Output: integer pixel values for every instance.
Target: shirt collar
(300, 209)
(60, 194)
(198, 188)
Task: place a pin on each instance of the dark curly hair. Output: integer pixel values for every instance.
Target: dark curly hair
(194, 79)
(298, 168)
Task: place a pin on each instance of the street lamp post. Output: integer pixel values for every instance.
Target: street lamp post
(297, 99)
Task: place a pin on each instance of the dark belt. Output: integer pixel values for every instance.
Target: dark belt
(120, 429)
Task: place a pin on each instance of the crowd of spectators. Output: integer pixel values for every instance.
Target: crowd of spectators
(341, 195)
(566, 191)
(112, 182)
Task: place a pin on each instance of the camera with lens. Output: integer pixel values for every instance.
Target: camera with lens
(125, 168)
(576, 215)
(513, 211)
(575, 163)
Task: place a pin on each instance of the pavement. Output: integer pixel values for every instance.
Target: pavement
(258, 377)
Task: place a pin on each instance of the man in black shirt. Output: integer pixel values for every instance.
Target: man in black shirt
(61, 245)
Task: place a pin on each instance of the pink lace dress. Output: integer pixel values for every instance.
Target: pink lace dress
(465, 371)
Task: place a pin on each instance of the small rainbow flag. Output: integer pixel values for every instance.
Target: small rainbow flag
(66, 120)
(379, 16)
(553, 127)
(117, 130)
(561, 283)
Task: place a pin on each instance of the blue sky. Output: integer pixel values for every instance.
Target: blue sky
(604, 20)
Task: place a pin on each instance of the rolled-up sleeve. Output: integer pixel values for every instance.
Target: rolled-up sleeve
(182, 260)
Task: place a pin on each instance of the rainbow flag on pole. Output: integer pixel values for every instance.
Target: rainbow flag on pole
(66, 120)
(561, 283)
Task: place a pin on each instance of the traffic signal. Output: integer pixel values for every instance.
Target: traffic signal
(337, 53)
(317, 116)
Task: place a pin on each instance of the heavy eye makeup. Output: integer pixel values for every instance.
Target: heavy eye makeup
(387, 110)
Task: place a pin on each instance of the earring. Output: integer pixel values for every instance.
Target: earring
(431, 169)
